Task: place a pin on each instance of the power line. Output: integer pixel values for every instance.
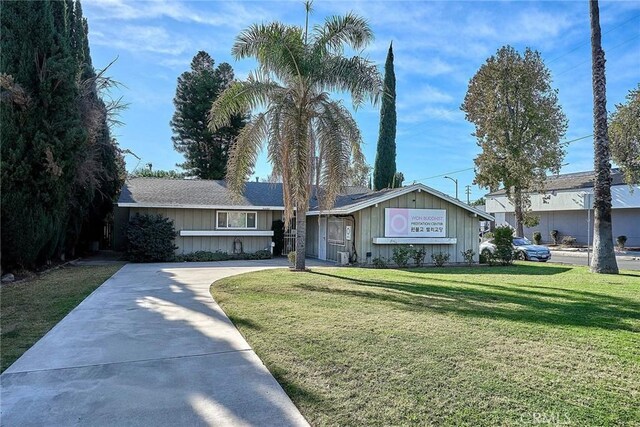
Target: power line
(578, 139)
(472, 168)
(589, 41)
(589, 60)
(441, 175)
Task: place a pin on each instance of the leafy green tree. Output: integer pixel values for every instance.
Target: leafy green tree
(604, 257)
(624, 132)
(385, 165)
(298, 120)
(518, 124)
(206, 152)
(359, 175)
(479, 202)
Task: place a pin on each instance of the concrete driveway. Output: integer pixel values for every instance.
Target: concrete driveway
(148, 347)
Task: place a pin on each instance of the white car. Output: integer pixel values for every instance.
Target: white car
(523, 248)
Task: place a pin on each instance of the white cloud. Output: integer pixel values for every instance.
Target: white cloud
(228, 14)
(424, 95)
(141, 38)
(534, 25)
(180, 63)
(431, 113)
(410, 63)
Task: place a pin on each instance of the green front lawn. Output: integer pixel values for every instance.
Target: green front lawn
(473, 346)
(29, 309)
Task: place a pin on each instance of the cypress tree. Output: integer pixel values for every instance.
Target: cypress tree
(46, 154)
(27, 36)
(385, 165)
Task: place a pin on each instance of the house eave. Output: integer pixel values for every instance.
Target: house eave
(401, 191)
(187, 206)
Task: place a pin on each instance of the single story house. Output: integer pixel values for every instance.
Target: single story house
(361, 226)
(566, 205)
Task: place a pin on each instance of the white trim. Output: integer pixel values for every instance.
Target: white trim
(399, 192)
(221, 207)
(246, 220)
(415, 240)
(225, 233)
(322, 237)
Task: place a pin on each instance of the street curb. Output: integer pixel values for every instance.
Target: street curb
(625, 257)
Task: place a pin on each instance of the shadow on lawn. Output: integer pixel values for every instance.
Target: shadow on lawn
(516, 302)
(537, 269)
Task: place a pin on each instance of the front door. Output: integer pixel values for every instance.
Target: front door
(322, 238)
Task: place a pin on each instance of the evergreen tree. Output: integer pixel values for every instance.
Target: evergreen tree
(206, 153)
(39, 139)
(101, 171)
(385, 165)
(47, 158)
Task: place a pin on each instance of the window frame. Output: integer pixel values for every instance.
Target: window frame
(246, 220)
(343, 223)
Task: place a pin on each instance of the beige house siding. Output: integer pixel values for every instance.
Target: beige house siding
(460, 224)
(334, 248)
(205, 219)
(312, 237)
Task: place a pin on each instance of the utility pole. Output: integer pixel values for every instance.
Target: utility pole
(456, 182)
(468, 193)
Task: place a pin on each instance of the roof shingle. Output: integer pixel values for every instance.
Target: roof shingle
(572, 181)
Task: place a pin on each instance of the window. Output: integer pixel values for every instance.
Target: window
(236, 219)
(335, 231)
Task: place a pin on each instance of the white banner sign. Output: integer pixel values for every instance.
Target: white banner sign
(415, 222)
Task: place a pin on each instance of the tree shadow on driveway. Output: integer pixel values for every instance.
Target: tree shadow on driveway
(149, 346)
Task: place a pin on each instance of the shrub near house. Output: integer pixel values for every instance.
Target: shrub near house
(504, 246)
(150, 239)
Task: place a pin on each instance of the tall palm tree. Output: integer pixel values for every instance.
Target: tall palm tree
(604, 257)
(306, 132)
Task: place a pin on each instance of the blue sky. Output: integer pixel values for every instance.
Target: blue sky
(438, 47)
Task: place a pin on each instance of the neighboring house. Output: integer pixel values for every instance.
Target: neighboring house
(565, 206)
(363, 224)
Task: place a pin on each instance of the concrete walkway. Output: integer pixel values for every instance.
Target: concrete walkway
(149, 347)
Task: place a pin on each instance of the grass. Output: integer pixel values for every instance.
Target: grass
(521, 345)
(29, 309)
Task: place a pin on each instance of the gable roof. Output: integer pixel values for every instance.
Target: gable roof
(214, 194)
(348, 204)
(197, 193)
(572, 181)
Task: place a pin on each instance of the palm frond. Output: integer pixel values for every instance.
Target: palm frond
(241, 97)
(278, 48)
(244, 153)
(357, 76)
(338, 31)
(339, 140)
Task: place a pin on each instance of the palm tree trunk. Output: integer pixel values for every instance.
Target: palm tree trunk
(301, 236)
(604, 257)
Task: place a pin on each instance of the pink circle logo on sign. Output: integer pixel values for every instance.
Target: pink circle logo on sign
(399, 221)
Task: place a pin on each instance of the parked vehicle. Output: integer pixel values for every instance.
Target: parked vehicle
(523, 248)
